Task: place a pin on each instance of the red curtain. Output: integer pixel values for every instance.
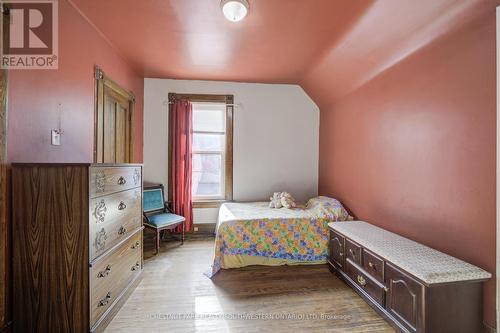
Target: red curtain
(181, 123)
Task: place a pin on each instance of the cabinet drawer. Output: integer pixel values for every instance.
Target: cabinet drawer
(368, 284)
(336, 249)
(373, 265)
(404, 298)
(353, 251)
(107, 180)
(110, 275)
(113, 218)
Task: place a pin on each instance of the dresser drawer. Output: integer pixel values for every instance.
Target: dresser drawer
(353, 251)
(110, 275)
(113, 218)
(363, 280)
(107, 180)
(373, 265)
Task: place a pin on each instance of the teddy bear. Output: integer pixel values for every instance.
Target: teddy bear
(275, 200)
(282, 199)
(287, 200)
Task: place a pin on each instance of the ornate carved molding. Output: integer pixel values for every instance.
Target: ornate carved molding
(100, 240)
(100, 211)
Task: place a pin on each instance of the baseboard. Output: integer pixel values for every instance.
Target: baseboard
(203, 234)
(488, 328)
(6, 328)
(205, 228)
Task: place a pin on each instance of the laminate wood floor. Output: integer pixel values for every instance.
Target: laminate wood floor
(175, 296)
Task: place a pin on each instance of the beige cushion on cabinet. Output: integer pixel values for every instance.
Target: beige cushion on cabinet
(425, 263)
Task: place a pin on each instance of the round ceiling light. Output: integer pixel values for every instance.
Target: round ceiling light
(235, 10)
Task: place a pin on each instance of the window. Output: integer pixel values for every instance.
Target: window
(209, 151)
(212, 175)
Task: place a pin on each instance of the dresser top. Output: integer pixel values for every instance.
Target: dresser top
(423, 262)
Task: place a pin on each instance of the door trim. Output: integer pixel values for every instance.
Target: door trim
(103, 81)
(498, 170)
(4, 205)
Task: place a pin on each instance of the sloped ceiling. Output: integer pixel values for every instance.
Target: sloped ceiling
(329, 47)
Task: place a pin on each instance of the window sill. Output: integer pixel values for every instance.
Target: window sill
(208, 203)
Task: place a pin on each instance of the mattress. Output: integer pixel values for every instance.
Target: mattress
(254, 234)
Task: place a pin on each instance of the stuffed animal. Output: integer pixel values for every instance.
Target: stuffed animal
(287, 200)
(282, 199)
(275, 200)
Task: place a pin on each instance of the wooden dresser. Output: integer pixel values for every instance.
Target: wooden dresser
(416, 288)
(77, 244)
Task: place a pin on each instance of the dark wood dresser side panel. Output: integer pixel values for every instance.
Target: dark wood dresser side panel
(50, 249)
(454, 307)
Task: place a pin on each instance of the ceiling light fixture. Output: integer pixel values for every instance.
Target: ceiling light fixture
(235, 10)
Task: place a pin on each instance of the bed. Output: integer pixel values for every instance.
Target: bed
(254, 234)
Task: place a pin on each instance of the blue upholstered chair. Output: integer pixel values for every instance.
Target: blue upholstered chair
(157, 215)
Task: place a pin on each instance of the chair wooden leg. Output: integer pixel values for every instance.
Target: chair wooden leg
(157, 241)
(183, 228)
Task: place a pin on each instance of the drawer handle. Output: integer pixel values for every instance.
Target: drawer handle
(341, 254)
(105, 272)
(352, 253)
(136, 245)
(122, 230)
(361, 281)
(372, 266)
(136, 266)
(122, 206)
(105, 301)
(386, 289)
(122, 181)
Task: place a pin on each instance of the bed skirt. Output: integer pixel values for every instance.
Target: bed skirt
(238, 261)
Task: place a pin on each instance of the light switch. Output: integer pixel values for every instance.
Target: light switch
(55, 138)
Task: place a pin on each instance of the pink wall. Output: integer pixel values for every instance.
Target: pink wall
(413, 150)
(34, 96)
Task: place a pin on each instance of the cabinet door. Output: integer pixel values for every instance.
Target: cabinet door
(404, 299)
(336, 249)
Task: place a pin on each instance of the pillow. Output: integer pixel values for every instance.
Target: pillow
(325, 207)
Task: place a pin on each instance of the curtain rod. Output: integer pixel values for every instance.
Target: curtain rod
(238, 105)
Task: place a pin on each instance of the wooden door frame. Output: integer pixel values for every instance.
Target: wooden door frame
(103, 81)
(4, 206)
(498, 171)
(5, 319)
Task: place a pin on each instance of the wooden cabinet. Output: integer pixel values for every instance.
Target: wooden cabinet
(441, 294)
(77, 244)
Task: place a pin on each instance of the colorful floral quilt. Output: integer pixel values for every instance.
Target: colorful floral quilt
(274, 236)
